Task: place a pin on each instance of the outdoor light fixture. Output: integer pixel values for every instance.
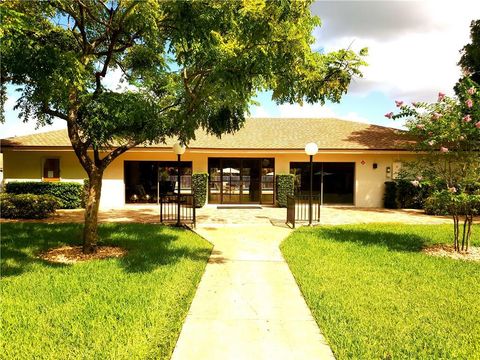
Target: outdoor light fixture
(311, 149)
(179, 150)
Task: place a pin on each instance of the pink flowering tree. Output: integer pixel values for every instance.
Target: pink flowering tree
(447, 134)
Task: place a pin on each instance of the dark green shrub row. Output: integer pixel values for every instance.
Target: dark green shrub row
(69, 194)
(28, 206)
(200, 188)
(285, 186)
(402, 194)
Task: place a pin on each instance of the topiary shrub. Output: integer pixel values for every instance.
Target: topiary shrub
(285, 186)
(27, 206)
(200, 188)
(390, 196)
(69, 194)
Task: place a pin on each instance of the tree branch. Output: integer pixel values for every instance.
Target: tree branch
(55, 113)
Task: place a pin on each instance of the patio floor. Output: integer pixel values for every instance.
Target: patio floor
(210, 215)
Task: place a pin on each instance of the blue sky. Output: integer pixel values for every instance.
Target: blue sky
(413, 51)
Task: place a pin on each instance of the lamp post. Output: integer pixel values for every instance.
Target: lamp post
(178, 149)
(311, 149)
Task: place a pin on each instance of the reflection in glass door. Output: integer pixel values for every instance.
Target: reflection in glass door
(231, 184)
(250, 180)
(236, 181)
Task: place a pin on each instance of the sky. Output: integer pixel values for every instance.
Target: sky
(413, 51)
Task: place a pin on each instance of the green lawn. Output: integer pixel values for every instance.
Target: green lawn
(376, 296)
(127, 308)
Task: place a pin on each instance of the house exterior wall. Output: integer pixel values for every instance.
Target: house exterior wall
(368, 189)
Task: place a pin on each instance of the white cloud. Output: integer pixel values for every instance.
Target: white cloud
(115, 81)
(259, 112)
(413, 46)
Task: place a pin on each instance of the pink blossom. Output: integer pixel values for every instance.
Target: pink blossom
(443, 149)
(430, 133)
(419, 178)
(477, 125)
(472, 90)
(431, 142)
(415, 183)
(398, 103)
(389, 115)
(469, 103)
(415, 103)
(420, 126)
(436, 116)
(467, 118)
(452, 189)
(441, 96)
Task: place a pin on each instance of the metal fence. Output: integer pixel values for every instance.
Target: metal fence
(298, 208)
(169, 209)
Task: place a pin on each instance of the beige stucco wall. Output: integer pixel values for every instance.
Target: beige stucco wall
(369, 182)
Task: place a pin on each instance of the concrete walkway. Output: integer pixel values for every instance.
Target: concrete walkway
(248, 305)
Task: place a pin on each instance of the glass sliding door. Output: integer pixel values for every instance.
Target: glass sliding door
(231, 183)
(338, 181)
(251, 179)
(146, 180)
(241, 181)
(334, 181)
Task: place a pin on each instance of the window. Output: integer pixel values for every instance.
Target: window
(51, 170)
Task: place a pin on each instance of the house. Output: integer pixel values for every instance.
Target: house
(351, 167)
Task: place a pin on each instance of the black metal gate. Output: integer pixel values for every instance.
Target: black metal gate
(298, 209)
(170, 206)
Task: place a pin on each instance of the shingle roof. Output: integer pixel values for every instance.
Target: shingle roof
(266, 133)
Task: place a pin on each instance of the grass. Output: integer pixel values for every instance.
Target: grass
(131, 307)
(375, 295)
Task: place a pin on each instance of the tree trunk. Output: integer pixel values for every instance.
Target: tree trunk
(90, 230)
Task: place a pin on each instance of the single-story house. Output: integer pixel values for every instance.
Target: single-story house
(353, 162)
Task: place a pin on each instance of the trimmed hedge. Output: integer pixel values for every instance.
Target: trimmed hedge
(28, 206)
(200, 188)
(69, 194)
(285, 186)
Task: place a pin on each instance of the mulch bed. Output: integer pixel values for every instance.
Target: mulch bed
(473, 253)
(74, 254)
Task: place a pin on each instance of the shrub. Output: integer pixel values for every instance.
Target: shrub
(28, 206)
(68, 193)
(200, 188)
(285, 186)
(390, 197)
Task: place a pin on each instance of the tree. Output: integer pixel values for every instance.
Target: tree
(470, 59)
(448, 136)
(189, 65)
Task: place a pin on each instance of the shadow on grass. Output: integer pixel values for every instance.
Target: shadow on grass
(148, 246)
(394, 241)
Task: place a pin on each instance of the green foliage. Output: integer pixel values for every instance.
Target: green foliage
(405, 194)
(448, 203)
(28, 206)
(285, 185)
(376, 295)
(200, 188)
(123, 308)
(185, 64)
(470, 60)
(69, 194)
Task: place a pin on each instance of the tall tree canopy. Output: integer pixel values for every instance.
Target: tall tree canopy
(470, 54)
(189, 64)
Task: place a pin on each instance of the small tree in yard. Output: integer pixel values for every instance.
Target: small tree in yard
(188, 65)
(448, 134)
